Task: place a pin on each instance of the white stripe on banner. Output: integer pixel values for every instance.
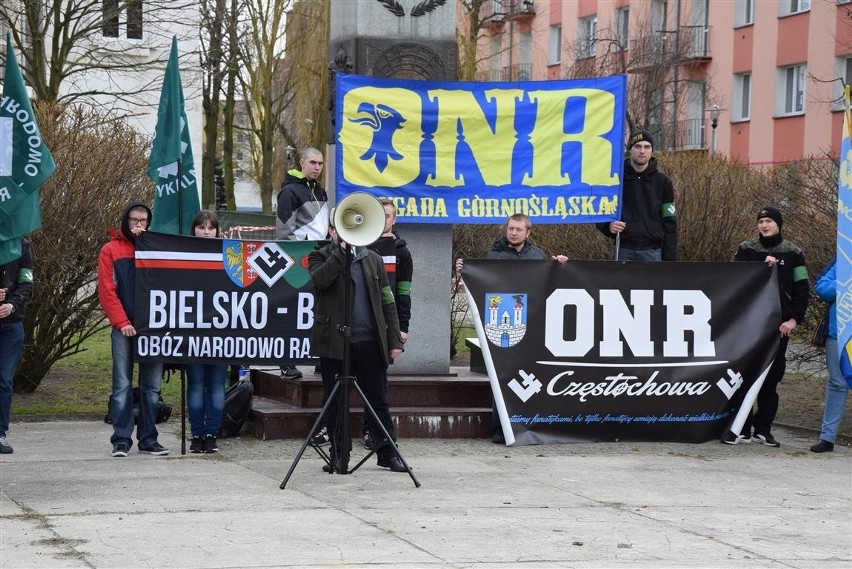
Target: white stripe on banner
(178, 256)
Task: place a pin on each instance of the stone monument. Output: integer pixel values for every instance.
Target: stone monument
(406, 39)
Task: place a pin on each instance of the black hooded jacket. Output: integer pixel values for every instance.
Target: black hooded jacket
(648, 210)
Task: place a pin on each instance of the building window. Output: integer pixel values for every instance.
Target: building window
(742, 97)
(791, 83)
(744, 14)
(794, 6)
(586, 30)
(554, 44)
(622, 27)
(122, 19)
(842, 69)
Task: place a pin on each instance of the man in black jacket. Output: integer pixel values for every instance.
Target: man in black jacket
(373, 333)
(16, 288)
(647, 230)
(772, 248)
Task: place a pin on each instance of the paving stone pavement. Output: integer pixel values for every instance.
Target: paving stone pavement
(65, 502)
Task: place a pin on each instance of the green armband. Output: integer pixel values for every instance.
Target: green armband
(668, 210)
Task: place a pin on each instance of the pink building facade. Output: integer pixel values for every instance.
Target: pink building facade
(770, 72)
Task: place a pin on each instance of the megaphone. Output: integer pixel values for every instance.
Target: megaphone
(359, 219)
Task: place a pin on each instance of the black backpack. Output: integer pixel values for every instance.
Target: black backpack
(163, 411)
(237, 408)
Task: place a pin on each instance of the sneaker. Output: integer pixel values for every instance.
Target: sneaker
(766, 439)
(291, 372)
(120, 449)
(154, 448)
(197, 444)
(210, 445)
(5, 448)
(368, 440)
(823, 446)
(729, 438)
(321, 438)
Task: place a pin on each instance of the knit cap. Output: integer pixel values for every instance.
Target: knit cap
(771, 213)
(639, 136)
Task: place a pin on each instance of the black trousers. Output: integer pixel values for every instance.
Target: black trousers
(767, 398)
(371, 374)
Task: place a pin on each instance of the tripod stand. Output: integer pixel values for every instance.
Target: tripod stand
(337, 461)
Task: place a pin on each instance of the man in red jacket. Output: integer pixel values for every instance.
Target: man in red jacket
(116, 289)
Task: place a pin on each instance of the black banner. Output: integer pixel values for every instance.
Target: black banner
(222, 301)
(621, 351)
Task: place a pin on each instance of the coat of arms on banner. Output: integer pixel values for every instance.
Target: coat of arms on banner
(246, 261)
(506, 318)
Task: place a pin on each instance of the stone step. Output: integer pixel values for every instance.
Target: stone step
(453, 405)
(276, 420)
(459, 388)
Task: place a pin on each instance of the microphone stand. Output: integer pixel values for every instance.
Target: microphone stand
(341, 441)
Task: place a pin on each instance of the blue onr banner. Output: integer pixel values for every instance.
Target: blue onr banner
(453, 152)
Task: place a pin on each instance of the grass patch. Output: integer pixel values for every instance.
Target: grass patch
(80, 385)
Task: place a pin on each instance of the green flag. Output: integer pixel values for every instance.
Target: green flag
(25, 161)
(170, 166)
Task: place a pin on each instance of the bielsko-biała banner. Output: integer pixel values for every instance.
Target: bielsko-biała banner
(622, 351)
(222, 300)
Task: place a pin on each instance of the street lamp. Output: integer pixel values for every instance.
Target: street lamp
(290, 156)
(715, 111)
(309, 123)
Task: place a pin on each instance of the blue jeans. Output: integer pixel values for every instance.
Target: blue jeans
(11, 343)
(205, 396)
(121, 405)
(638, 254)
(835, 395)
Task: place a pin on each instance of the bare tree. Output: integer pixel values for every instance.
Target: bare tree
(306, 78)
(477, 17)
(261, 52)
(656, 87)
(100, 168)
(62, 44)
(213, 64)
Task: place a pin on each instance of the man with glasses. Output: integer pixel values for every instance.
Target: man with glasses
(116, 288)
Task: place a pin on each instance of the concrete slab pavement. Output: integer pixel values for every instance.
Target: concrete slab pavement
(64, 502)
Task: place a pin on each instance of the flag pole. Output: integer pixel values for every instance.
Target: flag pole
(179, 196)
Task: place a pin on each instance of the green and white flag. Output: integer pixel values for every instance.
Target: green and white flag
(170, 165)
(25, 161)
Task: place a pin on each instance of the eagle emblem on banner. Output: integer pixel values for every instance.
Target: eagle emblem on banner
(384, 121)
(505, 318)
(235, 255)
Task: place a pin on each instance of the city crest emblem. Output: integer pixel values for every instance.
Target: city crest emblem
(505, 318)
(234, 258)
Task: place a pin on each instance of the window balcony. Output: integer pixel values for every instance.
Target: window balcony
(517, 72)
(684, 45)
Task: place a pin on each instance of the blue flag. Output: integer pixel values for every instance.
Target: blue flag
(170, 165)
(844, 248)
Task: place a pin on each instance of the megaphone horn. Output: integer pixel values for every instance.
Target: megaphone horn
(359, 219)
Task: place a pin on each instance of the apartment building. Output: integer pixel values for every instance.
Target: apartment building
(759, 80)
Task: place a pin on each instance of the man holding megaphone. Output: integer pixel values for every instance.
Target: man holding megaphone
(374, 333)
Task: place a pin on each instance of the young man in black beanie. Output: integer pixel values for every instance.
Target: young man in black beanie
(647, 230)
(771, 248)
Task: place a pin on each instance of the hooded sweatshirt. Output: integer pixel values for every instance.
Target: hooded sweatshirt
(302, 209)
(117, 271)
